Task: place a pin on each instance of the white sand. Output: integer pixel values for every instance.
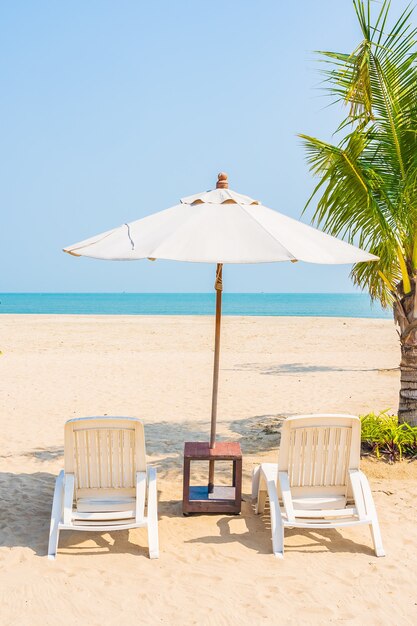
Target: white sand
(212, 569)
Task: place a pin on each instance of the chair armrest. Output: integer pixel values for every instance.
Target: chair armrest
(68, 497)
(140, 495)
(286, 495)
(152, 491)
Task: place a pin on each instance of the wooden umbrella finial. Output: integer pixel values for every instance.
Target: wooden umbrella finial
(222, 182)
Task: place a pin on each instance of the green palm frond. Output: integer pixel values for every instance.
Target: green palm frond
(367, 189)
(350, 205)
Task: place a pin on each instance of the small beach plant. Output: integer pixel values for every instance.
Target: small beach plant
(383, 435)
(367, 192)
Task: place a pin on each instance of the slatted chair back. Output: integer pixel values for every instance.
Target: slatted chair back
(104, 454)
(318, 450)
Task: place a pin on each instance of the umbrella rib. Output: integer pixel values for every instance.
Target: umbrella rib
(192, 216)
(87, 245)
(267, 231)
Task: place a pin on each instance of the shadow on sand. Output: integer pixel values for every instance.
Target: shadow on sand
(258, 536)
(25, 517)
(302, 368)
(26, 499)
(25, 513)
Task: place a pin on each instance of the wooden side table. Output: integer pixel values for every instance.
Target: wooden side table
(223, 499)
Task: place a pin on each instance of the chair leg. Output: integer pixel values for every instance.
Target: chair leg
(376, 537)
(277, 527)
(260, 504)
(258, 490)
(371, 511)
(56, 516)
(255, 483)
(153, 539)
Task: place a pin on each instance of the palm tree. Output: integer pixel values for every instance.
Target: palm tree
(368, 180)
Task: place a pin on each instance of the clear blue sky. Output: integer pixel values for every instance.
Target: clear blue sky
(111, 110)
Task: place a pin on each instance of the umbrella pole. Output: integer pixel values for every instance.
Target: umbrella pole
(218, 287)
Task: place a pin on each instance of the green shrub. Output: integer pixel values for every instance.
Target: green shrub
(383, 435)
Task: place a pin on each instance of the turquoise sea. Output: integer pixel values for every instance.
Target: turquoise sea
(292, 304)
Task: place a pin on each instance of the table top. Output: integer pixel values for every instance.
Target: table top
(201, 450)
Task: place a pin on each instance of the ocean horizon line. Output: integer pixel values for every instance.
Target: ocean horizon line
(282, 304)
(196, 293)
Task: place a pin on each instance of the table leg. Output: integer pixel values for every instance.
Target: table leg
(211, 477)
(186, 486)
(238, 480)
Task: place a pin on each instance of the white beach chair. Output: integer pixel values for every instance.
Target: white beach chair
(106, 482)
(317, 482)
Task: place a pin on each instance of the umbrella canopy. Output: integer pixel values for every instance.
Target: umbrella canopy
(219, 226)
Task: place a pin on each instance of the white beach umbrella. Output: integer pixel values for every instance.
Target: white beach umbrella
(219, 226)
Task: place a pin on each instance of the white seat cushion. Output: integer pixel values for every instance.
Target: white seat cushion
(309, 503)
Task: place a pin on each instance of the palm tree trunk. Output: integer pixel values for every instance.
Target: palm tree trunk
(407, 410)
(405, 315)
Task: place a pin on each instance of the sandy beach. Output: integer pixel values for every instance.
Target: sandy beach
(212, 569)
